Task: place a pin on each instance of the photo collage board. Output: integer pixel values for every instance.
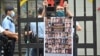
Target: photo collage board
(58, 36)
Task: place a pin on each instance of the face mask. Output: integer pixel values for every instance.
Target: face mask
(60, 13)
(12, 13)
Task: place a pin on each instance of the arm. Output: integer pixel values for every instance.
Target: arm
(28, 33)
(78, 27)
(45, 3)
(10, 34)
(69, 12)
(67, 9)
(43, 13)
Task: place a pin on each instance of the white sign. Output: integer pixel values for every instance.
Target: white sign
(58, 36)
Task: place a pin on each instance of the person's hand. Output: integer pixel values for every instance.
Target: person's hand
(16, 37)
(45, 3)
(30, 32)
(16, 34)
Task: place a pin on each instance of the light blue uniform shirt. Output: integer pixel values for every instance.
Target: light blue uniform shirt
(8, 24)
(41, 28)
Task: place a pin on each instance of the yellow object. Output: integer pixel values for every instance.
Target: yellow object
(22, 2)
(91, 1)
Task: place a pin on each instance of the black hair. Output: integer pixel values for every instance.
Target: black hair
(8, 8)
(40, 10)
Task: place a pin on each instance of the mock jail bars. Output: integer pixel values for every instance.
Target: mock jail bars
(85, 18)
(29, 45)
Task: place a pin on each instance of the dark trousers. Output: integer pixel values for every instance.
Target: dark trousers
(41, 50)
(9, 50)
(34, 52)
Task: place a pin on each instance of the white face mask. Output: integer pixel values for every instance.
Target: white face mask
(12, 13)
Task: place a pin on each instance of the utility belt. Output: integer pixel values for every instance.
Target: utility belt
(3, 40)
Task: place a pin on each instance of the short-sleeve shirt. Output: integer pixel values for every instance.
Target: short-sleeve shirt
(41, 28)
(1, 29)
(8, 24)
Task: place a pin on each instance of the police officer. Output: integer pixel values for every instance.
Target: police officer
(8, 25)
